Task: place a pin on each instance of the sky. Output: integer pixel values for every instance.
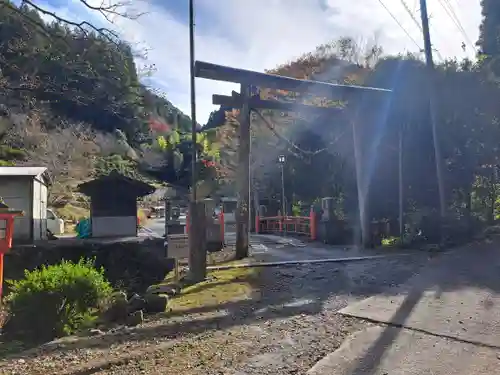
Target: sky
(261, 34)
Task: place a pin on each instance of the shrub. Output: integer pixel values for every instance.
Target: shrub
(56, 300)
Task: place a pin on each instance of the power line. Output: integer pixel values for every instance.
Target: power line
(408, 10)
(410, 13)
(415, 5)
(290, 143)
(448, 8)
(400, 25)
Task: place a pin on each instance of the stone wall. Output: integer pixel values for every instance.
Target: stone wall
(131, 266)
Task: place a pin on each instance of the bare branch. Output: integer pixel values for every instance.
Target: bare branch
(108, 9)
(84, 26)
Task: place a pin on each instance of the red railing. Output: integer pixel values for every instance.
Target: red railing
(302, 225)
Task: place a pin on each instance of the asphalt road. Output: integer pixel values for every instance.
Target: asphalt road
(157, 225)
(273, 248)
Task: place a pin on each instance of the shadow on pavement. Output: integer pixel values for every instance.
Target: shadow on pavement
(476, 267)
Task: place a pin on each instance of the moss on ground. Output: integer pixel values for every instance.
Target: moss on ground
(221, 287)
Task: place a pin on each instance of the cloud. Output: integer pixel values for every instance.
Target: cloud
(261, 34)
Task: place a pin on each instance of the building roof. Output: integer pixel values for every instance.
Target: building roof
(22, 171)
(116, 182)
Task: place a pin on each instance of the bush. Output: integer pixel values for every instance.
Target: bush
(56, 300)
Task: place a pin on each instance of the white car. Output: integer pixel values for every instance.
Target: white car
(54, 224)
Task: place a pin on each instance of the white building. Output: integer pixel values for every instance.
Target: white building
(25, 188)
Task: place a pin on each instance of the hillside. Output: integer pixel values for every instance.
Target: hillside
(74, 102)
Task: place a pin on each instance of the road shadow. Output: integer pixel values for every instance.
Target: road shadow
(473, 266)
(371, 360)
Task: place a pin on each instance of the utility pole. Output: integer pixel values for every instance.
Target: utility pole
(433, 107)
(197, 248)
(193, 99)
(400, 183)
(166, 196)
(243, 219)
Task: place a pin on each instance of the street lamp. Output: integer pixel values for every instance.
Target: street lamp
(281, 161)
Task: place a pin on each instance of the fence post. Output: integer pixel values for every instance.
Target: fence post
(222, 233)
(312, 225)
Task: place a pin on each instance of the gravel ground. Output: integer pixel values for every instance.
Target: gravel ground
(285, 329)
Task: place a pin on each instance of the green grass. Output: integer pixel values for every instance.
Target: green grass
(221, 287)
(390, 241)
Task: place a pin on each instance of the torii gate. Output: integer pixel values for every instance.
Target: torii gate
(245, 101)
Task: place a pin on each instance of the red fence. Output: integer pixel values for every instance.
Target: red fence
(301, 225)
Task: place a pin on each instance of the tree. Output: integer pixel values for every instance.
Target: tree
(170, 158)
(318, 164)
(489, 31)
(68, 151)
(79, 70)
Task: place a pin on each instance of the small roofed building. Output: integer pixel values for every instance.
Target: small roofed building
(113, 204)
(25, 189)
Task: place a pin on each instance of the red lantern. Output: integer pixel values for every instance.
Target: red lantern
(7, 216)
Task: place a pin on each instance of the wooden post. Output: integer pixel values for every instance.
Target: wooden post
(280, 221)
(243, 219)
(176, 270)
(1, 277)
(222, 228)
(312, 223)
(197, 242)
(362, 186)
(168, 215)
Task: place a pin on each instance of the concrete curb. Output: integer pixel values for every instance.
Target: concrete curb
(310, 261)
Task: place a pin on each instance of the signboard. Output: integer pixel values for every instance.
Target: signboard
(178, 246)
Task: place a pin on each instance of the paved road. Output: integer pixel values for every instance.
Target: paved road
(268, 248)
(274, 248)
(157, 226)
(442, 321)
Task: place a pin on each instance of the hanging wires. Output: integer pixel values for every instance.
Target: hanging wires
(296, 150)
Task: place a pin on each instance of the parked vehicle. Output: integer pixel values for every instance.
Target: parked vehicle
(158, 211)
(55, 224)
